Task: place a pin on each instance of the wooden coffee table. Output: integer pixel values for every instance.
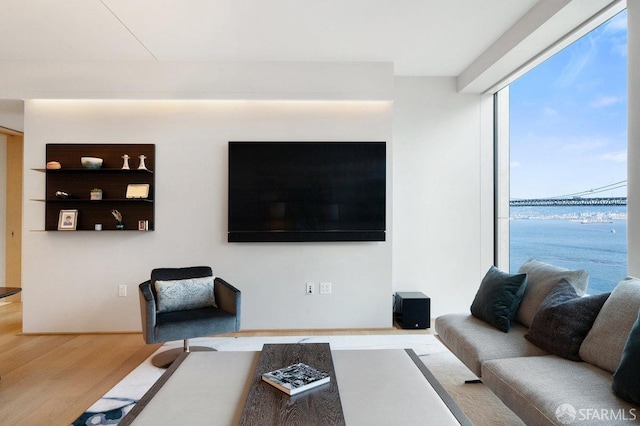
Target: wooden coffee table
(264, 406)
(390, 386)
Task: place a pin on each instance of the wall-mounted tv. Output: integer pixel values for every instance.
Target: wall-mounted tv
(307, 191)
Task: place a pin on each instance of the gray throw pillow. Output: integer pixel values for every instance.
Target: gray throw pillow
(605, 341)
(563, 320)
(541, 278)
(498, 298)
(186, 294)
(626, 379)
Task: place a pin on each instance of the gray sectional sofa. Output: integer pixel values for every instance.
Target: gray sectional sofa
(567, 377)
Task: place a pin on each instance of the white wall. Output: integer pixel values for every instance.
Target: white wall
(443, 240)
(439, 238)
(70, 280)
(3, 206)
(12, 114)
(633, 149)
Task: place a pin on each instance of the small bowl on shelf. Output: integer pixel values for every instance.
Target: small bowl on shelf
(91, 162)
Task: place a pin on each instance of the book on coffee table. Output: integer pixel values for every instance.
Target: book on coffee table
(296, 378)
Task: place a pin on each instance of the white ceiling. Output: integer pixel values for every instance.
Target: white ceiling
(421, 37)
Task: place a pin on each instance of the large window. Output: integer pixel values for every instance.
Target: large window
(567, 148)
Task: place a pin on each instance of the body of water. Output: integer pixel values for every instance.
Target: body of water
(593, 238)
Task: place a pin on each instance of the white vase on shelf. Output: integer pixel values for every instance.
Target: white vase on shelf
(142, 166)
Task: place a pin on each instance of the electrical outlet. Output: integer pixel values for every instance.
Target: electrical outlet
(310, 288)
(122, 290)
(325, 288)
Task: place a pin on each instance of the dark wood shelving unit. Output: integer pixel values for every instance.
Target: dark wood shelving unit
(77, 181)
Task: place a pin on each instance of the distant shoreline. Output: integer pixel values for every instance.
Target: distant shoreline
(616, 216)
(572, 213)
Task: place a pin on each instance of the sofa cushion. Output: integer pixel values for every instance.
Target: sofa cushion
(498, 298)
(608, 336)
(541, 278)
(474, 341)
(626, 379)
(564, 319)
(538, 388)
(185, 294)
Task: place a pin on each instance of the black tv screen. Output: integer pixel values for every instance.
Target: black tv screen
(307, 191)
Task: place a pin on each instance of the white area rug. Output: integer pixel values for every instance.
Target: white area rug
(476, 400)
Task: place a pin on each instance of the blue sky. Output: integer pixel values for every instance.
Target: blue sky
(568, 118)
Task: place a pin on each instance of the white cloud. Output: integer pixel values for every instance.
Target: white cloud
(605, 101)
(584, 145)
(549, 111)
(620, 49)
(616, 157)
(617, 24)
(581, 54)
(616, 31)
(515, 164)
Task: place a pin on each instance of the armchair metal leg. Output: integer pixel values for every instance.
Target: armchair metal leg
(166, 358)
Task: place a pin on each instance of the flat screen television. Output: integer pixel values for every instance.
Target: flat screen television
(307, 191)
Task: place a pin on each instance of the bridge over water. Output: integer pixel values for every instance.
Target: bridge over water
(574, 201)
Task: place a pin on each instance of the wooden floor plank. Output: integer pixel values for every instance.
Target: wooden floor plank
(52, 379)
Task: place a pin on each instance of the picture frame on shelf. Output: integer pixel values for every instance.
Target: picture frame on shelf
(137, 190)
(143, 225)
(68, 220)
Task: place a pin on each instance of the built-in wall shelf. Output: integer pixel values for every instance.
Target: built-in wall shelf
(77, 182)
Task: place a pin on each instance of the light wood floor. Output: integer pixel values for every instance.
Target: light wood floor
(52, 379)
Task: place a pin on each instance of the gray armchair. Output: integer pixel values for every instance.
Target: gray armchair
(183, 323)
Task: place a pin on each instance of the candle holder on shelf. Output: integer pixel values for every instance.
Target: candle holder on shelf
(142, 165)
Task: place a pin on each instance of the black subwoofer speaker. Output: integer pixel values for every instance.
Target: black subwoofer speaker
(412, 310)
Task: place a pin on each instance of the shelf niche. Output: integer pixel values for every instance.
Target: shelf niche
(77, 181)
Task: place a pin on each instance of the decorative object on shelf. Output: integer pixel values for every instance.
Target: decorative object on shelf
(91, 162)
(98, 227)
(62, 194)
(67, 220)
(118, 216)
(53, 165)
(125, 165)
(96, 194)
(143, 225)
(142, 166)
(137, 190)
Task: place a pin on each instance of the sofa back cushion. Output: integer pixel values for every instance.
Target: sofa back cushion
(606, 339)
(541, 278)
(564, 319)
(498, 298)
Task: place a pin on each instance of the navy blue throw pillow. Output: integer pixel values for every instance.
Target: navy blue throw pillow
(626, 379)
(498, 298)
(564, 319)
